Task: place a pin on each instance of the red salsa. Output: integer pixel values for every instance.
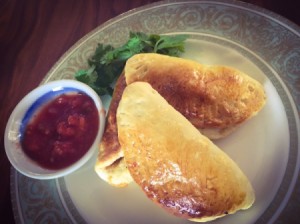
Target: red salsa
(62, 131)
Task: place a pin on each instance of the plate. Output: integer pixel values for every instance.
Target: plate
(256, 41)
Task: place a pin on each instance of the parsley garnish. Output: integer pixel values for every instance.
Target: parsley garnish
(107, 63)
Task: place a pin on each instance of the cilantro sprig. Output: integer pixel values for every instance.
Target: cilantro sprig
(107, 63)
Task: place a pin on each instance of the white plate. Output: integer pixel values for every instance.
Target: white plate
(256, 41)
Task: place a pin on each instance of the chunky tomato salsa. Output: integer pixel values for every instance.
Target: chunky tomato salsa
(62, 131)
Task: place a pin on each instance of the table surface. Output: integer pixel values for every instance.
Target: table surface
(33, 36)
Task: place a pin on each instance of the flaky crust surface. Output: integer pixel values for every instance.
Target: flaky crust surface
(175, 165)
(215, 99)
(110, 165)
(110, 149)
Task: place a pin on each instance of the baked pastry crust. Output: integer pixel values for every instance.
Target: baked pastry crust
(175, 165)
(215, 99)
(110, 165)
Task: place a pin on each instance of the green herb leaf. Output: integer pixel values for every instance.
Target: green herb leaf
(107, 63)
(87, 76)
(171, 45)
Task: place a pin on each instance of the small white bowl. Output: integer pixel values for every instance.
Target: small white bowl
(30, 103)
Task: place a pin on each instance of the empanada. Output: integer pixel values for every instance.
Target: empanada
(175, 165)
